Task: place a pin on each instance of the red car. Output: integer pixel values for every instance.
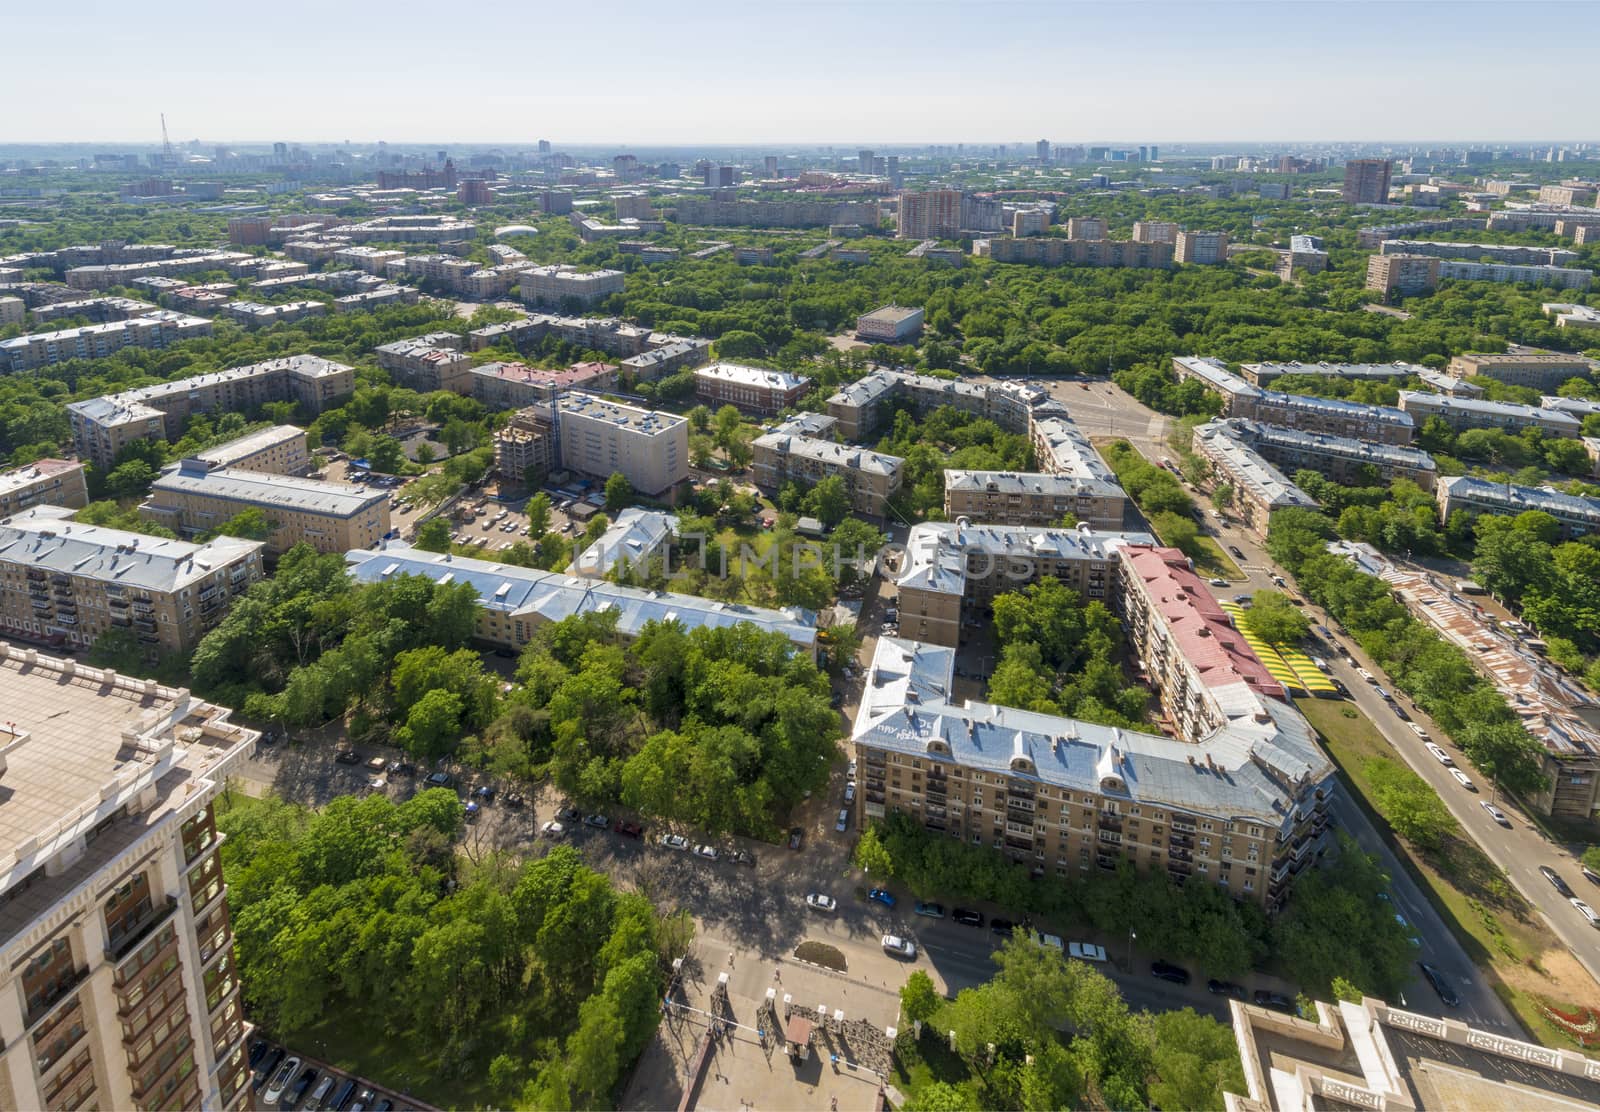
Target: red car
(628, 829)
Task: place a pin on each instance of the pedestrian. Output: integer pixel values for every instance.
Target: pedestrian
(777, 975)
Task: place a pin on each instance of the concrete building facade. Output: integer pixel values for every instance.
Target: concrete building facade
(1258, 488)
(756, 390)
(1545, 370)
(792, 451)
(45, 482)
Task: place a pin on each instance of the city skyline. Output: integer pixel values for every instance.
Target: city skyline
(1219, 72)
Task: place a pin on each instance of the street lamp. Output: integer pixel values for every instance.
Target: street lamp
(1131, 936)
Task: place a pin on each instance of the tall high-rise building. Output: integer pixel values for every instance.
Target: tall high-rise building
(544, 146)
(122, 987)
(935, 214)
(1366, 181)
(864, 159)
(1041, 150)
(892, 168)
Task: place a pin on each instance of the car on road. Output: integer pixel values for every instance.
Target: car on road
(596, 820)
(1382, 694)
(1438, 753)
(883, 896)
(797, 836)
(552, 829)
(347, 757)
(628, 829)
(1167, 971)
(1225, 988)
(967, 917)
(1555, 880)
(707, 852)
(1496, 814)
(1366, 675)
(1235, 551)
(816, 901)
(1278, 581)
(1399, 711)
(930, 910)
(1589, 874)
(280, 1081)
(1405, 925)
(1441, 985)
(1586, 911)
(1219, 582)
(900, 947)
(1086, 951)
(1419, 731)
(842, 823)
(998, 925)
(674, 841)
(1463, 779)
(1243, 600)
(1277, 1001)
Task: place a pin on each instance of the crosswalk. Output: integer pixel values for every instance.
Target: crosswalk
(1288, 665)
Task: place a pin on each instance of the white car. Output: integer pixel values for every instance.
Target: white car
(818, 902)
(1463, 780)
(843, 822)
(552, 829)
(1419, 731)
(900, 947)
(1586, 911)
(1050, 941)
(850, 792)
(1086, 951)
(710, 853)
(1366, 675)
(1439, 754)
(1496, 814)
(280, 1080)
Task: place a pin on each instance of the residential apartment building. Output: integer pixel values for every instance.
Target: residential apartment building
(373, 260)
(193, 498)
(1259, 374)
(1156, 231)
(1441, 383)
(45, 482)
(1032, 498)
(123, 989)
(279, 450)
(103, 277)
(1567, 193)
(1562, 277)
(1366, 181)
(1346, 460)
(516, 385)
(791, 452)
(1571, 316)
(935, 214)
(1030, 222)
(1577, 516)
(892, 324)
(428, 363)
(1545, 370)
(587, 434)
(1258, 488)
(775, 214)
(637, 540)
(102, 426)
(668, 359)
(951, 572)
(860, 406)
(756, 390)
(12, 310)
(515, 602)
(1334, 416)
(1495, 252)
(65, 583)
(1403, 275)
(1239, 799)
(1086, 227)
(1475, 413)
(1047, 251)
(254, 314)
(560, 285)
(412, 228)
(1201, 248)
(157, 328)
(522, 449)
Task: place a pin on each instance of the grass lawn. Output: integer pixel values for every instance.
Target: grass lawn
(1495, 925)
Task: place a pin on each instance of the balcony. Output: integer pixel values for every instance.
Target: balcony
(1017, 802)
(120, 945)
(1110, 821)
(1020, 830)
(42, 1008)
(1179, 854)
(1183, 840)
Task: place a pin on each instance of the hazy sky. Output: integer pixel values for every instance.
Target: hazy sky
(786, 71)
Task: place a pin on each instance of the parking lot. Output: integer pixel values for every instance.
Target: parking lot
(286, 1079)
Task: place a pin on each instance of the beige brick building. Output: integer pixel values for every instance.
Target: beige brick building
(45, 482)
(279, 450)
(1259, 488)
(122, 989)
(793, 452)
(1544, 370)
(757, 390)
(192, 498)
(1031, 498)
(62, 582)
(596, 438)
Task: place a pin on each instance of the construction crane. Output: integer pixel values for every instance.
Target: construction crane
(167, 157)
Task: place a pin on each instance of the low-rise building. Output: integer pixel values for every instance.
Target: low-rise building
(756, 390)
(1442, 383)
(515, 602)
(680, 354)
(1495, 252)
(193, 498)
(1544, 370)
(637, 540)
(279, 450)
(562, 285)
(45, 482)
(1258, 488)
(1345, 460)
(157, 328)
(515, 385)
(1334, 416)
(1475, 413)
(1050, 251)
(793, 452)
(859, 406)
(1568, 315)
(104, 276)
(1032, 498)
(66, 583)
(892, 324)
(1576, 515)
(1259, 374)
(254, 314)
(1563, 277)
(428, 363)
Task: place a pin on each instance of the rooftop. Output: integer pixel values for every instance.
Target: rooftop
(134, 404)
(575, 375)
(1258, 432)
(936, 551)
(830, 452)
(249, 444)
(285, 492)
(753, 376)
(1337, 370)
(891, 314)
(634, 534)
(46, 537)
(19, 477)
(1068, 450)
(1569, 507)
(579, 404)
(1027, 482)
(1245, 465)
(1409, 398)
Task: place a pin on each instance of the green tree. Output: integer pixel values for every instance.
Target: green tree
(619, 492)
(1274, 619)
(433, 535)
(919, 999)
(1412, 807)
(538, 511)
(1196, 1059)
(828, 501)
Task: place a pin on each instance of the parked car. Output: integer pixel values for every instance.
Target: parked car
(674, 841)
(265, 1070)
(307, 1078)
(797, 836)
(402, 768)
(1463, 779)
(1555, 880)
(816, 901)
(1442, 986)
(1086, 951)
(514, 800)
(743, 857)
(900, 947)
(842, 823)
(597, 820)
(628, 829)
(1277, 1001)
(1225, 988)
(969, 918)
(343, 1096)
(1586, 911)
(363, 1101)
(319, 1095)
(1381, 693)
(1167, 971)
(1047, 940)
(1438, 753)
(707, 852)
(280, 1081)
(1589, 874)
(1219, 582)
(1366, 675)
(1399, 711)
(1496, 814)
(931, 910)
(553, 829)
(570, 814)
(1001, 926)
(347, 757)
(883, 896)
(1420, 732)
(258, 1051)
(440, 779)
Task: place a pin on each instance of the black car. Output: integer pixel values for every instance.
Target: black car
(347, 757)
(1234, 550)
(440, 779)
(1001, 926)
(1446, 991)
(1400, 712)
(967, 917)
(514, 800)
(345, 1094)
(744, 857)
(298, 1089)
(1274, 1000)
(1166, 971)
(796, 836)
(258, 1051)
(402, 768)
(1555, 881)
(484, 793)
(570, 814)
(265, 1070)
(1225, 988)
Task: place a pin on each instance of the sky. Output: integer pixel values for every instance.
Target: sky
(792, 72)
